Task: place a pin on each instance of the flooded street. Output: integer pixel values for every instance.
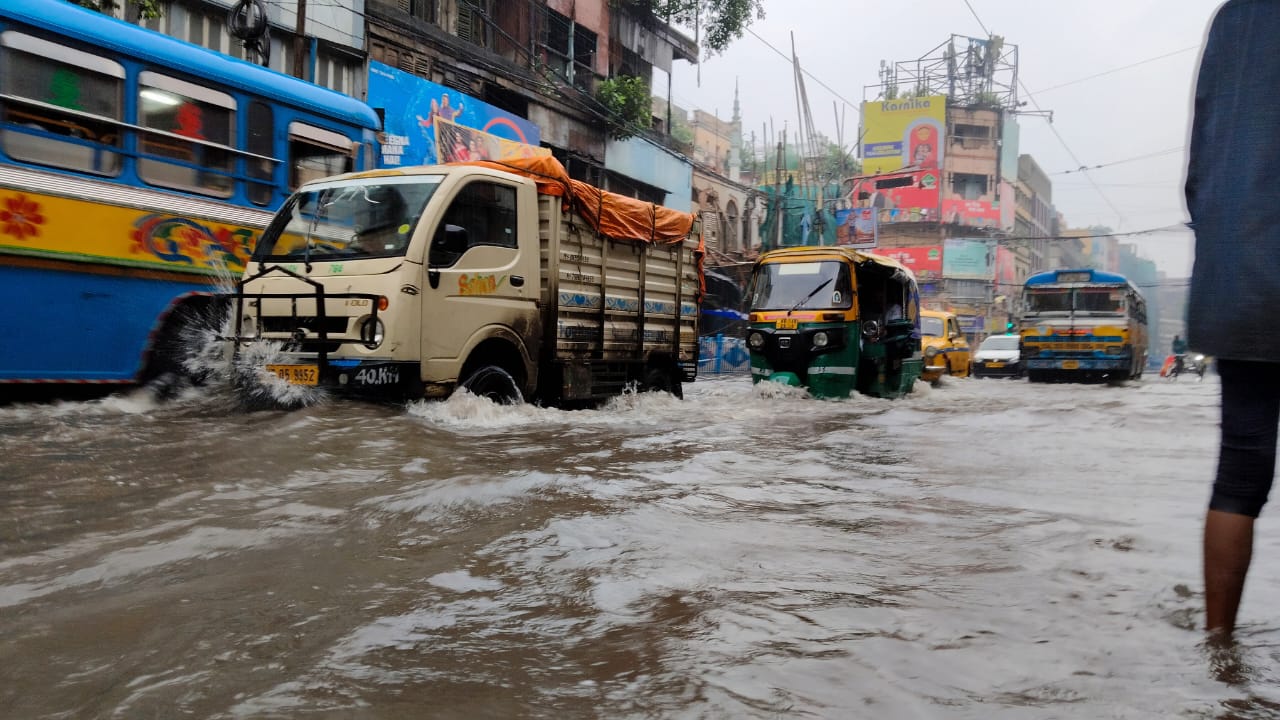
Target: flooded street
(984, 549)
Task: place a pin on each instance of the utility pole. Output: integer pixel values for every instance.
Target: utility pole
(300, 42)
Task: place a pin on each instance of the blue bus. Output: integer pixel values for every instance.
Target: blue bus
(136, 173)
(1083, 324)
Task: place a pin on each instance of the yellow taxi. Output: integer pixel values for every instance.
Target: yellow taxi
(945, 349)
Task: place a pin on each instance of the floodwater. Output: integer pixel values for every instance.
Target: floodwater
(983, 549)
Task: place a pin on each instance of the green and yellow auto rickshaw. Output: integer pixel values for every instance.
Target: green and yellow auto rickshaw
(834, 320)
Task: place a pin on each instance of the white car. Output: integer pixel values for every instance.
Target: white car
(999, 356)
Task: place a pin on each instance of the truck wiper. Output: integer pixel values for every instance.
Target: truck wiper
(810, 295)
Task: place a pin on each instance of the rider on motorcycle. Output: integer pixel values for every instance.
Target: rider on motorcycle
(1179, 354)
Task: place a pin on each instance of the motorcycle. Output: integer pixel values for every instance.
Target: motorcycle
(1196, 363)
(1175, 365)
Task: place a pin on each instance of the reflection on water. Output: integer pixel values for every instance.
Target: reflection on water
(984, 549)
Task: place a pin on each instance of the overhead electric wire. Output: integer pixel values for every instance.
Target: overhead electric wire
(1118, 69)
(1135, 158)
(806, 72)
(1065, 146)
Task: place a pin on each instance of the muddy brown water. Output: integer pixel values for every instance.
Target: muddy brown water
(984, 549)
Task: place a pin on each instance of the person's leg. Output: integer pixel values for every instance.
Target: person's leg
(1246, 465)
(1228, 549)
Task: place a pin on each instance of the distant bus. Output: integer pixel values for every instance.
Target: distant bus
(136, 173)
(1083, 324)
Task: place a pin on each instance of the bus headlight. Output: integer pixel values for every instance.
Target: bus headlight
(371, 332)
(820, 339)
(756, 340)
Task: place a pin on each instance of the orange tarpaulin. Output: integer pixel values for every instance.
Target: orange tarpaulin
(617, 216)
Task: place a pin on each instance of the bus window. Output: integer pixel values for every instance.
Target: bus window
(315, 153)
(189, 143)
(63, 106)
(1049, 301)
(1099, 300)
(259, 164)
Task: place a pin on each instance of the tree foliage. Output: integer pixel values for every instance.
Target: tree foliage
(146, 8)
(719, 22)
(627, 101)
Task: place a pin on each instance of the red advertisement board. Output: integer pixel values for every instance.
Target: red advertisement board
(971, 213)
(910, 196)
(925, 261)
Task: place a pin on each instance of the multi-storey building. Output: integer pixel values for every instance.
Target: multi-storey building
(533, 61)
(541, 60)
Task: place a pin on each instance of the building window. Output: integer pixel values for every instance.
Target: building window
(969, 186)
(564, 38)
(972, 131)
(472, 24)
(421, 9)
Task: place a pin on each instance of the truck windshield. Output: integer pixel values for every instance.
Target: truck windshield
(348, 219)
(787, 286)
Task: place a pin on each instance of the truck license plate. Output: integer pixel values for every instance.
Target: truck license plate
(786, 323)
(1070, 364)
(296, 374)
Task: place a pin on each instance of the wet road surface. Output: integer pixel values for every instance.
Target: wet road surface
(984, 549)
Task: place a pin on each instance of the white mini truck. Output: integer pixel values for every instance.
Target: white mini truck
(509, 280)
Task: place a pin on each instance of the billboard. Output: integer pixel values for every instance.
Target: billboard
(905, 133)
(972, 213)
(925, 261)
(1006, 270)
(410, 107)
(968, 259)
(459, 143)
(910, 196)
(857, 228)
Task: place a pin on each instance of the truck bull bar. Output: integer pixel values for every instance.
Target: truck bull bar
(319, 326)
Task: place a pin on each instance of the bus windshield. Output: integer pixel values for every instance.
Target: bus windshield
(1092, 300)
(823, 284)
(348, 220)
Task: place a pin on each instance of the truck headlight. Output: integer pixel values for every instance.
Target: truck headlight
(248, 329)
(756, 340)
(820, 339)
(371, 332)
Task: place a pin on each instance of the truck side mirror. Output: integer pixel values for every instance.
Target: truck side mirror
(449, 243)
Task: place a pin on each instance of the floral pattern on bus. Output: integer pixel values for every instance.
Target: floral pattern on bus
(20, 217)
(180, 240)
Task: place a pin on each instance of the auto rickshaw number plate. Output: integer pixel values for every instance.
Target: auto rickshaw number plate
(296, 374)
(786, 323)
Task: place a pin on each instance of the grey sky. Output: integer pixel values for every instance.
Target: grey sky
(1133, 112)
